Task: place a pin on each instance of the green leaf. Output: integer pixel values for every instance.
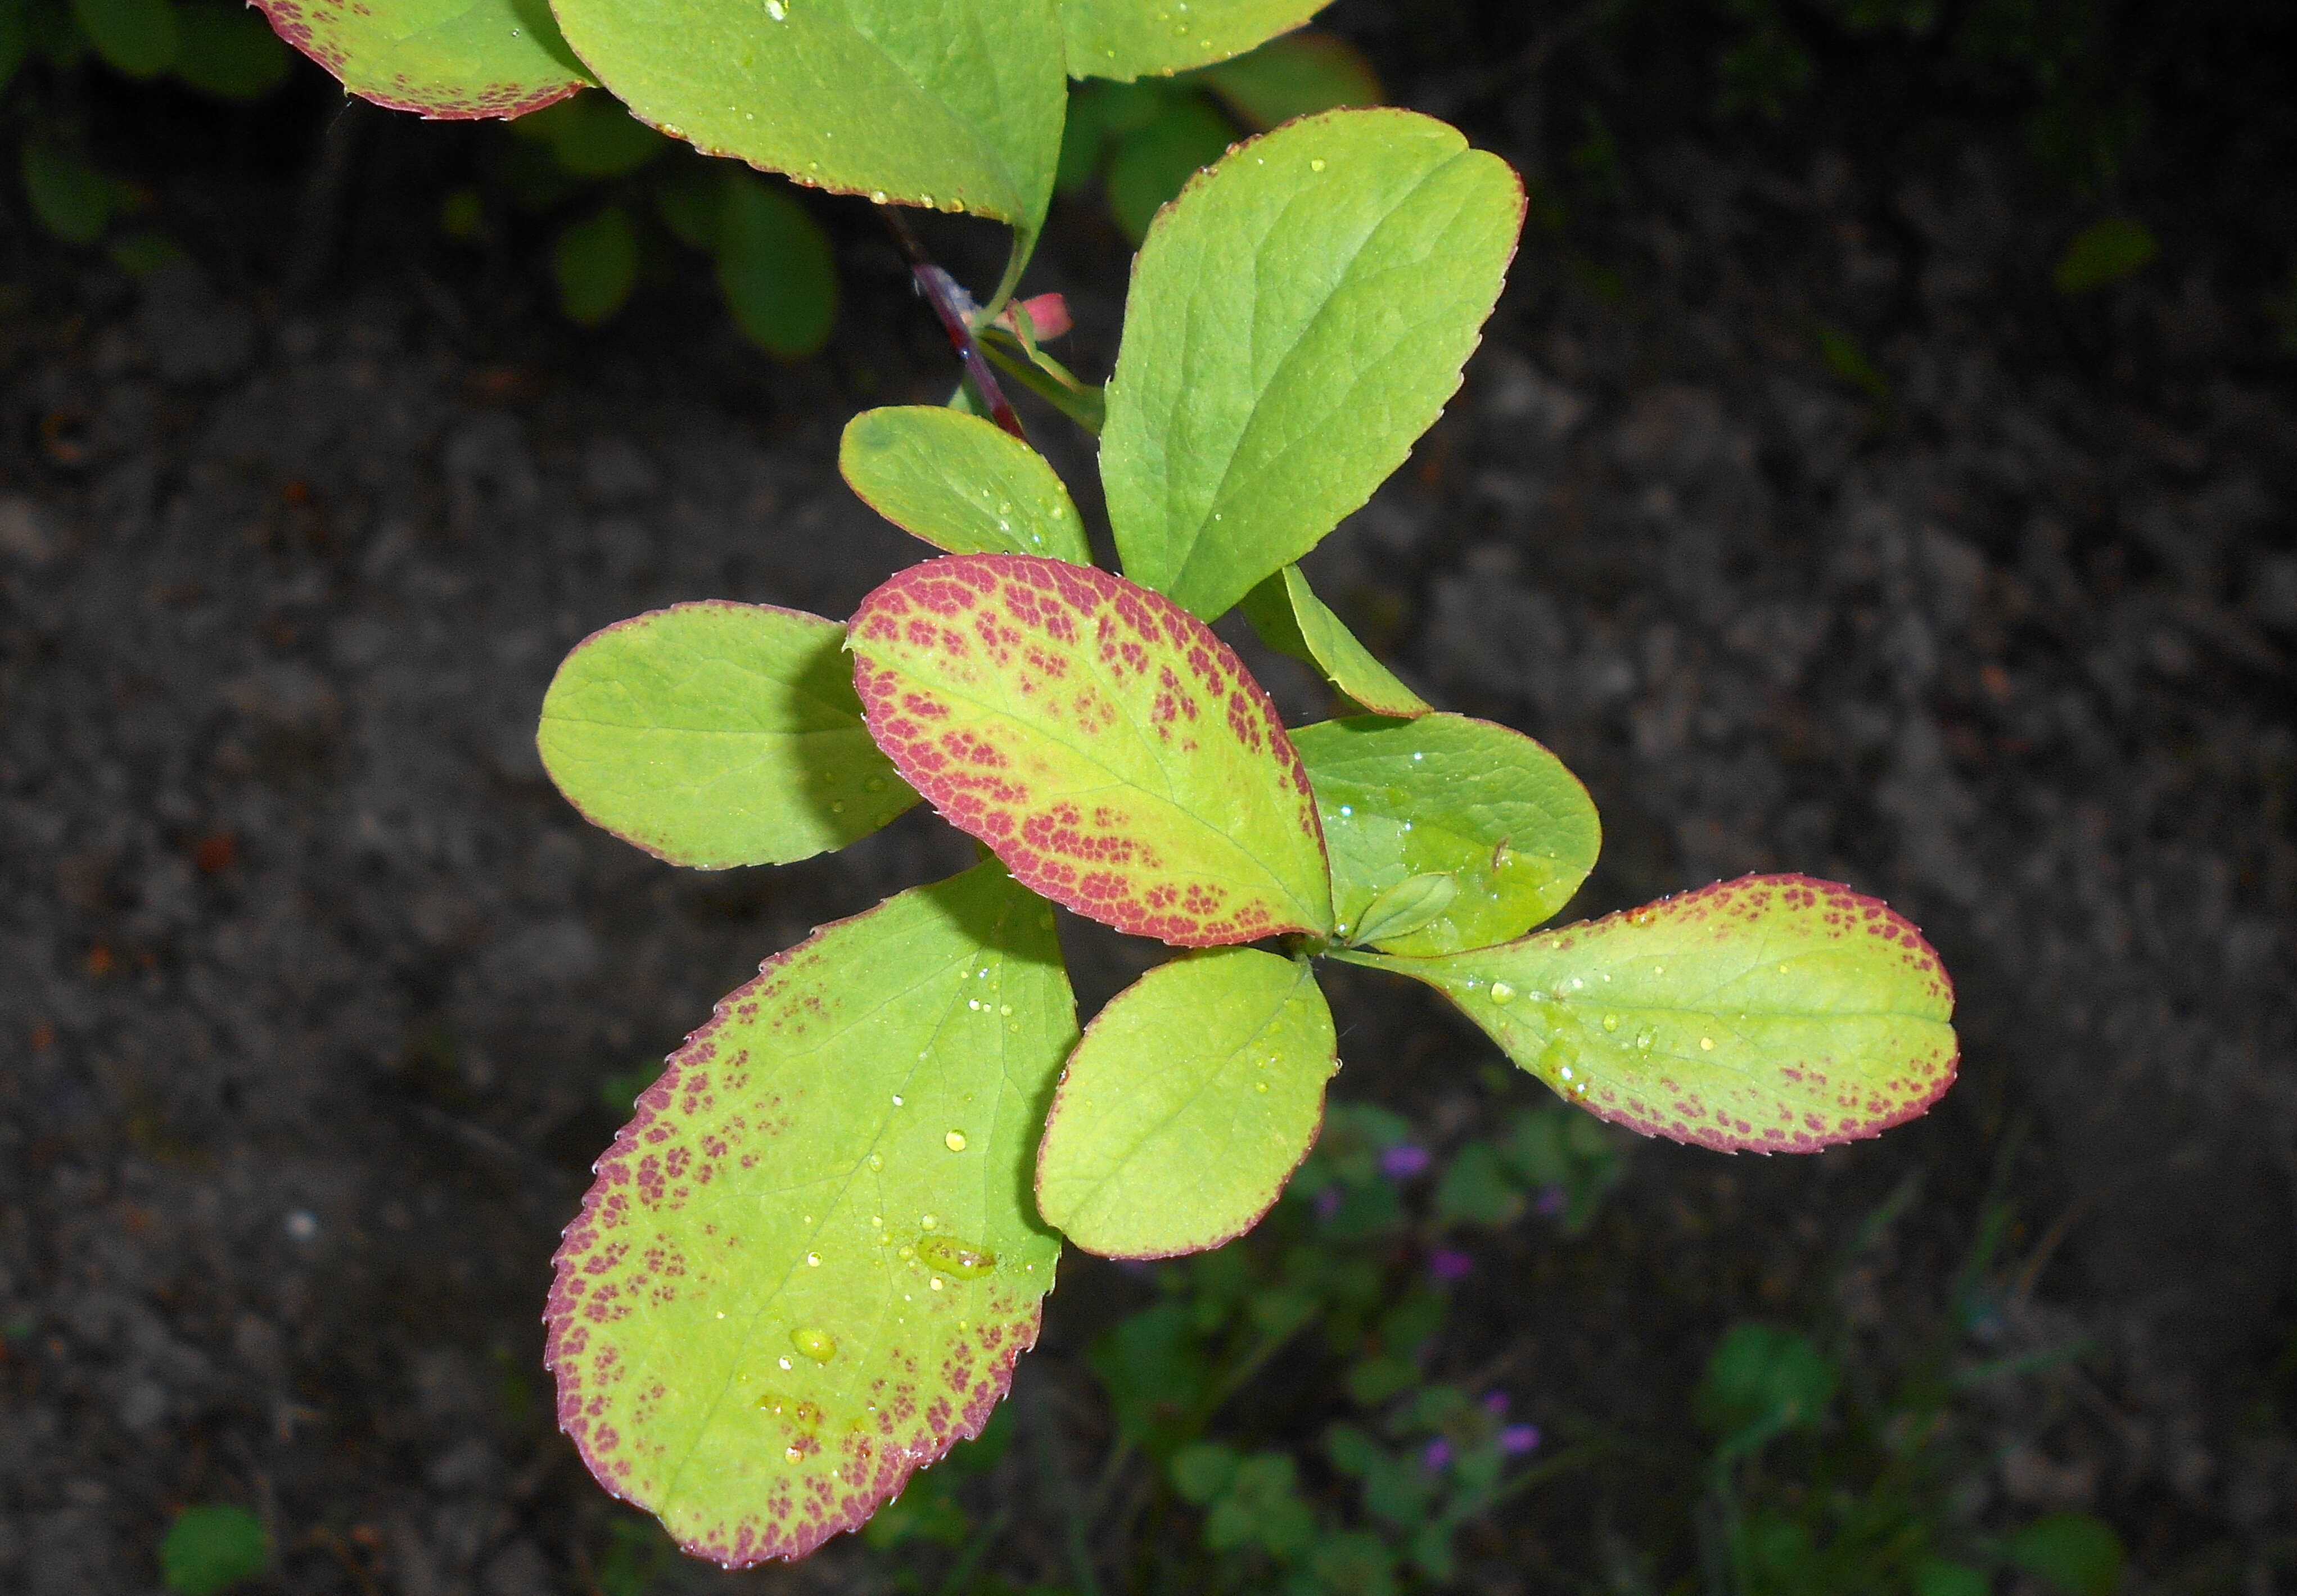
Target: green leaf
(1157, 1369)
(1152, 163)
(1203, 1472)
(593, 137)
(718, 733)
(137, 37)
(1404, 908)
(948, 103)
(209, 1549)
(1100, 739)
(1298, 318)
(961, 484)
(1191, 1099)
(1774, 1014)
(808, 1266)
(2104, 253)
(446, 59)
(227, 51)
(595, 262)
(1445, 795)
(16, 40)
(1292, 619)
(1137, 38)
(775, 268)
(1761, 1382)
(71, 199)
(1476, 1188)
(2072, 1552)
(1938, 1577)
(1298, 75)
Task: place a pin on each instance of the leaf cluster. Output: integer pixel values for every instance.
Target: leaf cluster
(810, 1262)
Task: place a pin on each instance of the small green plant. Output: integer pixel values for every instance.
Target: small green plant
(810, 1262)
(210, 1549)
(1830, 1474)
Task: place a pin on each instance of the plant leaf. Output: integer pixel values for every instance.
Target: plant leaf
(950, 103)
(211, 1547)
(1191, 1099)
(808, 1266)
(774, 267)
(136, 37)
(1774, 1014)
(961, 482)
(596, 263)
(1150, 165)
(1298, 75)
(445, 58)
(1404, 908)
(227, 51)
(1125, 39)
(714, 735)
(1291, 619)
(1446, 794)
(1101, 740)
(1297, 317)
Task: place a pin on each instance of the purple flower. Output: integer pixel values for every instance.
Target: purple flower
(1445, 1263)
(1496, 1403)
(1518, 1439)
(1553, 1201)
(1328, 1202)
(1403, 1161)
(1438, 1457)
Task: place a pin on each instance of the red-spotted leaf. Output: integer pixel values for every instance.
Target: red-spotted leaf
(808, 1265)
(450, 59)
(1774, 1014)
(1100, 740)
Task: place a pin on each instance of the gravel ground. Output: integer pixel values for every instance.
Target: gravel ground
(307, 980)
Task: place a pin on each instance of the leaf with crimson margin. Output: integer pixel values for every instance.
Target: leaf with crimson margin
(1100, 740)
(445, 58)
(807, 1267)
(1773, 1014)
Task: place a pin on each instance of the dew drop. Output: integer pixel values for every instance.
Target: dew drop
(813, 1260)
(954, 1141)
(1501, 992)
(1610, 1022)
(877, 196)
(1643, 1039)
(934, 1282)
(1005, 1009)
(1260, 1086)
(793, 1454)
(951, 1256)
(876, 1161)
(1315, 165)
(837, 807)
(777, 11)
(927, 1220)
(1707, 1044)
(897, 1096)
(819, 1346)
(1347, 811)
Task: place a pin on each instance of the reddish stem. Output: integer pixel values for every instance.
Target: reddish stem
(955, 307)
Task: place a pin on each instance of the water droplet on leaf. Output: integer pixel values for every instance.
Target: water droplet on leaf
(954, 1141)
(819, 1346)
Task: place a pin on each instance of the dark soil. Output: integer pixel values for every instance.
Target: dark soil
(311, 980)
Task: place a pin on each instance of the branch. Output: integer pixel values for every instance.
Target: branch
(955, 307)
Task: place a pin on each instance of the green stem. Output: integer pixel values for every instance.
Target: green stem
(1081, 404)
(1025, 244)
